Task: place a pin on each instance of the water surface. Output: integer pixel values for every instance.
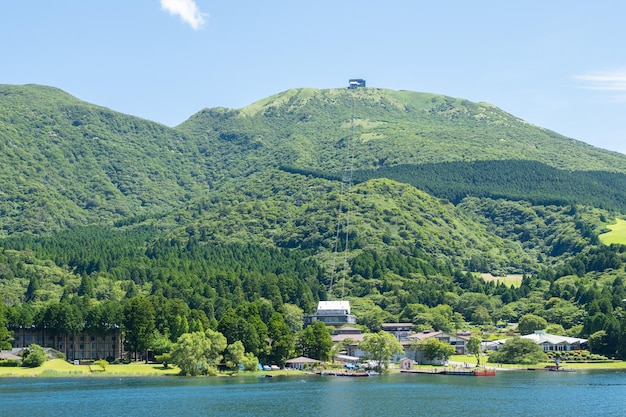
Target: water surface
(524, 393)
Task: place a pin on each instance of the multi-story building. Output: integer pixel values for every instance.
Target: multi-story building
(77, 346)
(332, 313)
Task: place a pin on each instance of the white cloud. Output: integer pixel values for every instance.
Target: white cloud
(604, 80)
(187, 10)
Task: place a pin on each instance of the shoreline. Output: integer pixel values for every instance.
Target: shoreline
(60, 368)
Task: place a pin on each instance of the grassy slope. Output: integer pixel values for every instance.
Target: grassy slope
(308, 128)
(617, 233)
(59, 367)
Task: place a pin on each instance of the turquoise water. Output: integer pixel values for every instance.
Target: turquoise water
(508, 394)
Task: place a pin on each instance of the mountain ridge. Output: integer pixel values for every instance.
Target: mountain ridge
(69, 163)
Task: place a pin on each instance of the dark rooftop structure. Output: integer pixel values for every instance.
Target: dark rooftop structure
(356, 83)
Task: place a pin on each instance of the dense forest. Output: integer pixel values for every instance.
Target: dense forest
(520, 180)
(230, 221)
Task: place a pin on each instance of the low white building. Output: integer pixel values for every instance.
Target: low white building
(548, 342)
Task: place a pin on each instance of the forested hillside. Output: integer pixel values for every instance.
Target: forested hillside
(511, 179)
(231, 218)
(66, 163)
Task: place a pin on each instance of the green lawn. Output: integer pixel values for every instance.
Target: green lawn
(616, 235)
(471, 360)
(59, 367)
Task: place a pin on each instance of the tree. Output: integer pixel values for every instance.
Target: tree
(481, 315)
(434, 349)
(283, 340)
(234, 355)
(597, 342)
(86, 286)
(139, 324)
(31, 291)
(518, 350)
(34, 356)
(62, 318)
(235, 327)
(474, 347)
(5, 335)
(528, 323)
(293, 317)
(250, 362)
(179, 326)
(198, 353)
(162, 347)
(315, 341)
(380, 347)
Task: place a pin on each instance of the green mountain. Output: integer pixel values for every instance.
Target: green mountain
(420, 192)
(67, 163)
(308, 128)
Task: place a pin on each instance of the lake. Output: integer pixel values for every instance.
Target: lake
(510, 393)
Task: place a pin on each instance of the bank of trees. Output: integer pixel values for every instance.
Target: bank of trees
(158, 288)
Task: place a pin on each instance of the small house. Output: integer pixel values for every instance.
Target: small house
(406, 364)
(301, 363)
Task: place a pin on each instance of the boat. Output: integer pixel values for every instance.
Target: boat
(454, 371)
(552, 368)
(344, 373)
(485, 372)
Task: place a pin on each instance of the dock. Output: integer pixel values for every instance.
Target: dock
(452, 371)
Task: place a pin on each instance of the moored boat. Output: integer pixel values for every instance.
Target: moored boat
(344, 373)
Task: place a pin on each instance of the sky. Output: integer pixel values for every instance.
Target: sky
(560, 65)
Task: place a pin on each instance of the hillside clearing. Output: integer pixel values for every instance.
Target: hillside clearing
(508, 280)
(616, 235)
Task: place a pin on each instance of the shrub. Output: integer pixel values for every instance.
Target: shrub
(10, 363)
(102, 364)
(34, 356)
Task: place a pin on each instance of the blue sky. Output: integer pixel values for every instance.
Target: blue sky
(556, 64)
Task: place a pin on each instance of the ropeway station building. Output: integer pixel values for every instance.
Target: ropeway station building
(331, 313)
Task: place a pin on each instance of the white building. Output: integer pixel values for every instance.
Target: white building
(332, 313)
(548, 342)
